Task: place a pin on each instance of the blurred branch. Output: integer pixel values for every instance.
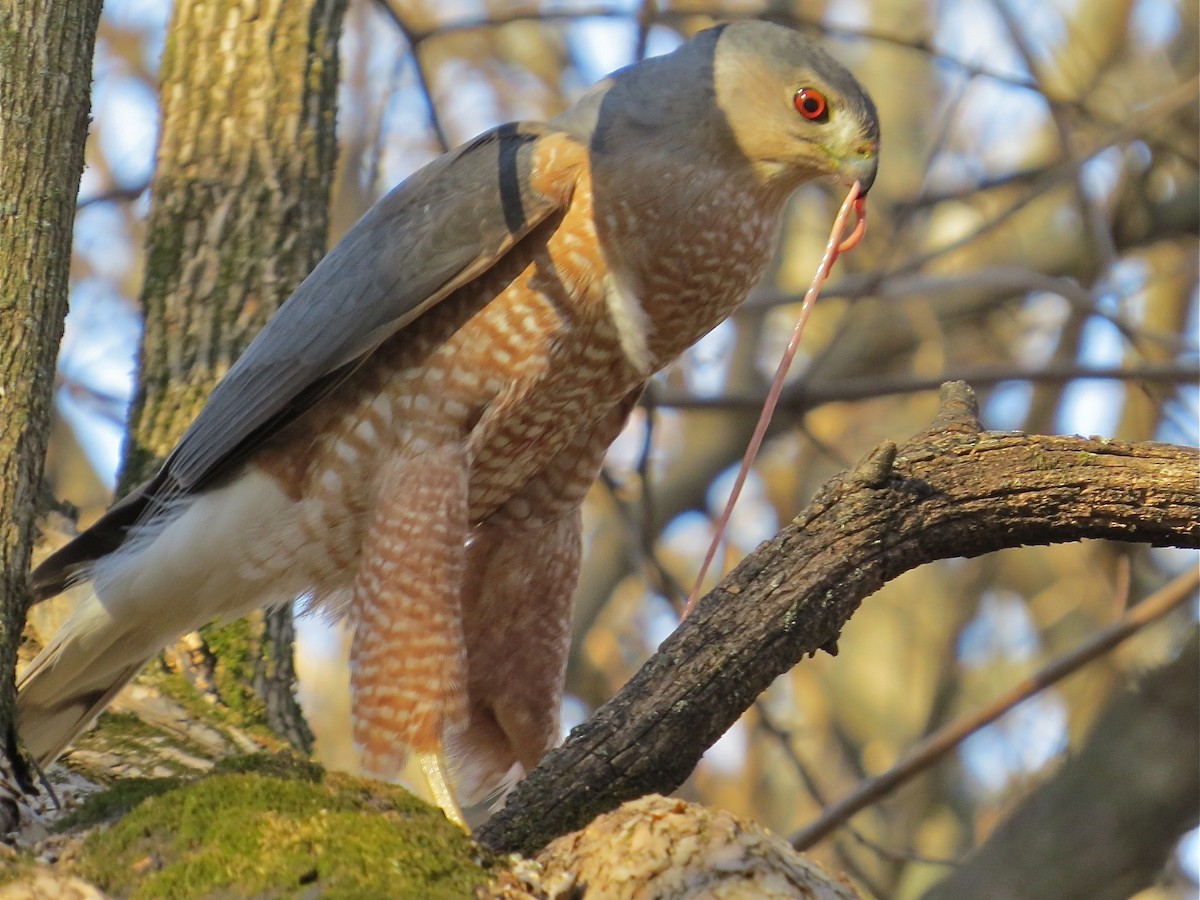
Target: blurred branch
(1105, 825)
(532, 13)
(647, 13)
(519, 14)
(104, 404)
(806, 396)
(1090, 212)
(999, 280)
(638, 520)
(1069, 169)
(951, 491)
(118, 194)
(959, 193)
(926, 47)
(239, 218)
(933, 748)
(847, 860)
(413, 39)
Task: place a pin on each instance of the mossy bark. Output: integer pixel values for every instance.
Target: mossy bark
(45, 83)
(268, 826)
(239, 217)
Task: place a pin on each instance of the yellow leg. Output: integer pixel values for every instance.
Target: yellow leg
(433, 764)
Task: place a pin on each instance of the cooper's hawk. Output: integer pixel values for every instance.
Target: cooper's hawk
(411, 436)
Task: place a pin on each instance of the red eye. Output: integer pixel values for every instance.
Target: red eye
(810, 103)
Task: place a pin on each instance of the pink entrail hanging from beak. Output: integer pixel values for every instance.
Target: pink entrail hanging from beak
(855, 202)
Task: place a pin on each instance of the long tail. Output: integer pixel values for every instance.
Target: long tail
(176, 572)
(74, 678)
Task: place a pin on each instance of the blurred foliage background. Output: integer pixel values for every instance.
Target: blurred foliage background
(1033, 231)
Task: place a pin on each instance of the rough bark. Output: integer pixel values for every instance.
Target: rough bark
(241, 191)
(1104, 826)
(660, 847)
(951, 491)
(241, 194)
(45, 80)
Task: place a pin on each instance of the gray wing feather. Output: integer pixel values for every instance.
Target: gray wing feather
(433, 233)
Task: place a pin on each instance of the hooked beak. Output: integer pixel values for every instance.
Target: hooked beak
(861, 168)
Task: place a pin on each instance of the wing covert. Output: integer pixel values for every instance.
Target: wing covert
(437, 230)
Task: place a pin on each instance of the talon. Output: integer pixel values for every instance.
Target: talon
(433, 765)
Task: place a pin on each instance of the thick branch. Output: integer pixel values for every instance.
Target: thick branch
(952, 491)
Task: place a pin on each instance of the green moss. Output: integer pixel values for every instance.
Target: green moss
(115, 801)
(15, 867)
(277, 765)
(236, 648)
(249, 834)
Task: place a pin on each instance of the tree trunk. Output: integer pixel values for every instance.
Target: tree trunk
(241, 192)
(45, 79)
